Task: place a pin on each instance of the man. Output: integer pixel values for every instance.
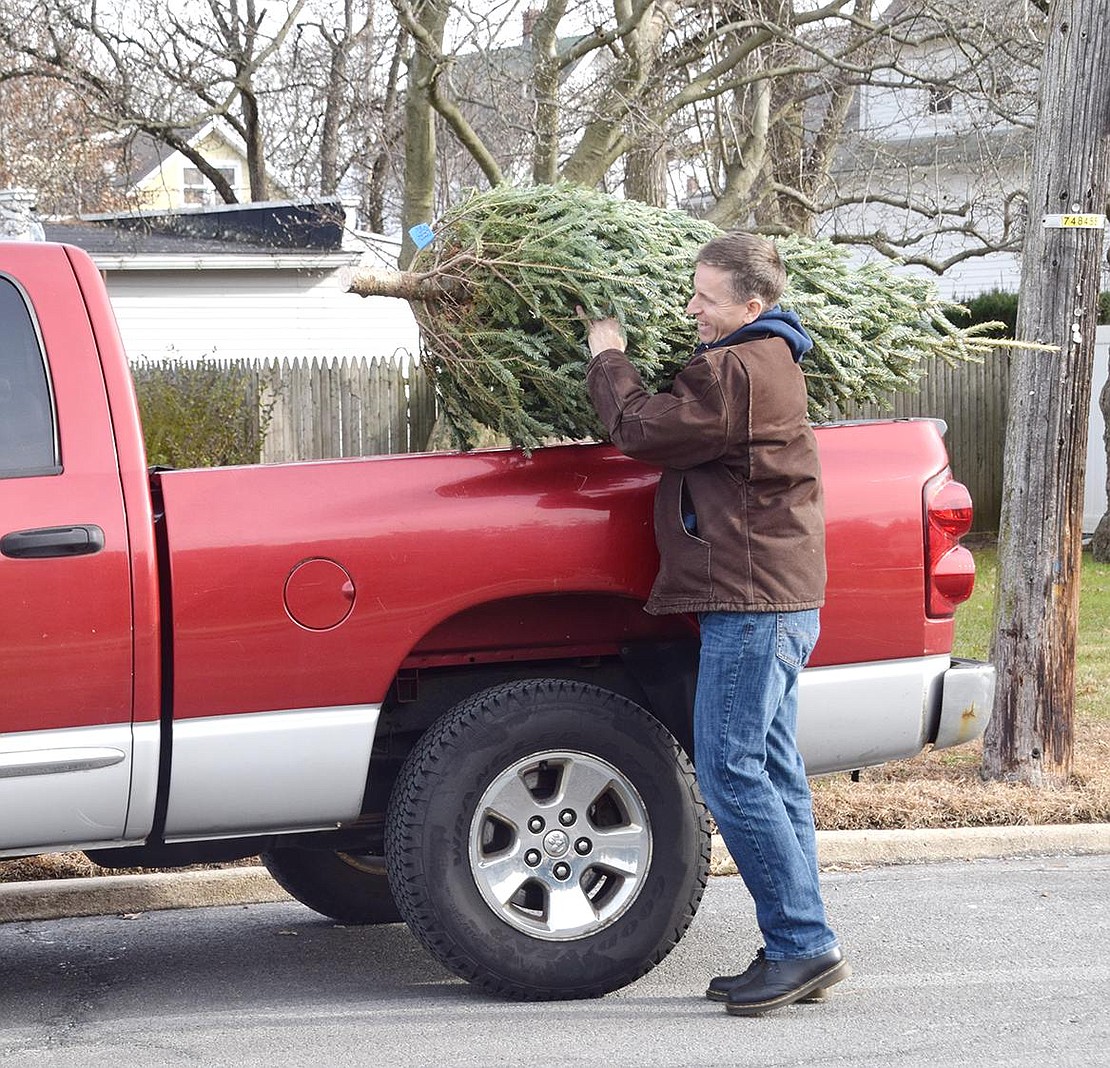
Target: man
(739, 523)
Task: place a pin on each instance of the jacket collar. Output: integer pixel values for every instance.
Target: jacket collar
(774, 322)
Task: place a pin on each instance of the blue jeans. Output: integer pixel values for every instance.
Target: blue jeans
(751, 773)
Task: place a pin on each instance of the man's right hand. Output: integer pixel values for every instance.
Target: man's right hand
(602, 334)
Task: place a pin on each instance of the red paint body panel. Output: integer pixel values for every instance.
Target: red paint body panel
(874, 475)
(134, 482)
(66, 656)
(424, 539)
(495, 556)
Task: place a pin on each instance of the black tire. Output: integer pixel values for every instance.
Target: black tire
(351, 888)
(477, 878)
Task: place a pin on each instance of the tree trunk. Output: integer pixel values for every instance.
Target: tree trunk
(545, 90)
(256, 148)
(405, 285)
(746, 162)
(420, 132)
(373, 193)
(330, 127)
(606, 138)
(645, 173)
(1030, 737)
(645, 163)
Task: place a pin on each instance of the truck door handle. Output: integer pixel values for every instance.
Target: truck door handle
(81, 540)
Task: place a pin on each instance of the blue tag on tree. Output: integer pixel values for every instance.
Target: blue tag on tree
(422, 235)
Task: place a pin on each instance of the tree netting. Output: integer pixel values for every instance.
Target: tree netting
(496, 292)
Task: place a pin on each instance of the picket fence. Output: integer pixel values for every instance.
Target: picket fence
(324, 409)
(331, 408)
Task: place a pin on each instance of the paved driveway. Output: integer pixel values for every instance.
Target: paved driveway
(995, 962)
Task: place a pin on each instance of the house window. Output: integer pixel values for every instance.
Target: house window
(199, 190)
(940, 99)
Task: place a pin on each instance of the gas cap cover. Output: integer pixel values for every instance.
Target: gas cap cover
(319, 594)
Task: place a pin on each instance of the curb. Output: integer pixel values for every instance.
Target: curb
(109, 895)
(844, 849)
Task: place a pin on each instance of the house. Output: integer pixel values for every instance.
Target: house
(948, 128)
(161, 178)
(956, 134)
(243, 281)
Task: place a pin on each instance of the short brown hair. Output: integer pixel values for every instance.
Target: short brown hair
(753, 262)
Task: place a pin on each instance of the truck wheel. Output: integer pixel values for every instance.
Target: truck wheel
(351, 888)
(546, 839)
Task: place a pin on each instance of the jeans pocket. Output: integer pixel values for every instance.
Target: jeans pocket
(795, 636)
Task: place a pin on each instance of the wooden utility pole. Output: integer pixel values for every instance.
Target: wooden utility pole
(1030, 734)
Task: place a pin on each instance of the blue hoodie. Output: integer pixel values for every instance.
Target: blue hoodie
(774, 322)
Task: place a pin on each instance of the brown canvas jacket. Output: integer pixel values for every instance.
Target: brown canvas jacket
(736, 450)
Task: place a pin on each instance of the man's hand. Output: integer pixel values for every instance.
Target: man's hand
(602, 334)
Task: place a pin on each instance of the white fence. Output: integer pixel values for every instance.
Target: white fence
(1094, 488)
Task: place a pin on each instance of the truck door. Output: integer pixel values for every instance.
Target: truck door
(65, 597)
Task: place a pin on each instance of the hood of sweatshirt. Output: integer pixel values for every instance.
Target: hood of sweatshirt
(774, 322)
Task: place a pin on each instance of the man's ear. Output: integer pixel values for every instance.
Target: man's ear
(752, 310)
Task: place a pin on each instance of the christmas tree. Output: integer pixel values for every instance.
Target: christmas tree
(496, 291)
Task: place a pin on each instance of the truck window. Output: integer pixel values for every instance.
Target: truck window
(28, 444)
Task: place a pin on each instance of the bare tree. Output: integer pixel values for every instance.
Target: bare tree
(755, 101)
(934, 168)
(45, 146)
(759, 101)
(425, 23)
(1029, 736)
(333, 111)
(158, 67)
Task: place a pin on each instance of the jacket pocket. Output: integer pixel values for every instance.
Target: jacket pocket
(684, 557)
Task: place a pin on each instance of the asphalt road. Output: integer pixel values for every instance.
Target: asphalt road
(989, 962)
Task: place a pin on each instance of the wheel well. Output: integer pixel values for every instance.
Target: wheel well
(658, 675)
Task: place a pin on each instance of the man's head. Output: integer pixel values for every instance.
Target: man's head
(736, 276)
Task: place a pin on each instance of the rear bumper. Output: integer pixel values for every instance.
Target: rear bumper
(858, 715)
(967, 695)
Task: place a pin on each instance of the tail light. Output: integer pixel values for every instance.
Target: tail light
(949, 567)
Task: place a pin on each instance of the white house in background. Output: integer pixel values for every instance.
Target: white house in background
(940, 139)
(243, 282)
(942, 144)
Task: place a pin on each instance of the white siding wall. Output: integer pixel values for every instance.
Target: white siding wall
(253, 315)
(970, 278)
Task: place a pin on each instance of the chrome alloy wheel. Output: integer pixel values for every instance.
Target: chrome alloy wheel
(560, 845)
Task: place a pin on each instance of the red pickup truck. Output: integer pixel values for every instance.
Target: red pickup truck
(421, 687)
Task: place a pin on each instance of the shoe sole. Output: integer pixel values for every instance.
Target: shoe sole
(814, 997)
(837, 973)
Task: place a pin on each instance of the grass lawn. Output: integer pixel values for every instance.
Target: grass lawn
(944, 788)
(974, 621)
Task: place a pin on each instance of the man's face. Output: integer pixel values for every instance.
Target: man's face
(715, 308)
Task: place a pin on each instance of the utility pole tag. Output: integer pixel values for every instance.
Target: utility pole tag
(1075, 222)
